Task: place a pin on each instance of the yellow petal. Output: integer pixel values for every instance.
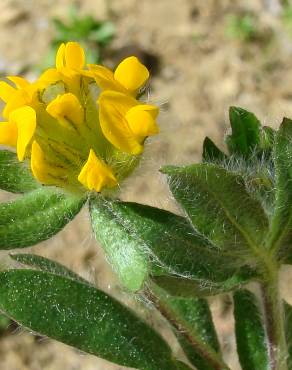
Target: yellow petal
(19, 82)
(44, 171)
(40, 168)
(131, 74)
(113, 107)
(104, 78)
(60, 57)
(37, 163)
(95, 174)
(8, 134)
(74, 55)
(66, 106)
(86, 73)
(151, 109)
(51, 75)
(141, 120)
(25, 120)
(21, 98)
(6, 91)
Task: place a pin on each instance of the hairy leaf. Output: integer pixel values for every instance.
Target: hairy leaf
(281, 223)
(246, 133)
(82, 316)
(250, 334)
(211, 153)
(133, 234)
(124, 252)
(182, 366)
(184, 287)
(36, 216)
(14, 175)
(191, 317)
(45, 264)
(268, 136)
(220, 208)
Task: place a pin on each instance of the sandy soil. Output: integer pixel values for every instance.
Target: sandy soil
(201, 72)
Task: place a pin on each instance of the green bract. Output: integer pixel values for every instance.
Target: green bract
(234, 227)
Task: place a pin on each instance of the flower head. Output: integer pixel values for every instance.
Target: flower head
(81, 128)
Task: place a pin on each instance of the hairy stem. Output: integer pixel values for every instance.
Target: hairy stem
(274, 321)
(204, 350)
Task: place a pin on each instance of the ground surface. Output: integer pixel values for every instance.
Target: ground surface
(201, 73)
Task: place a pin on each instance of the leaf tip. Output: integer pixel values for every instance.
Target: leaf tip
(167, 170)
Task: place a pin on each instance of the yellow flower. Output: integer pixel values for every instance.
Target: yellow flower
(19, 130)
(23, 94)
(129, 76)
(125, 122)
(46, 172)
(95, 174)
(66, 106)
(81, 129)
(70, 62)
(70, 55)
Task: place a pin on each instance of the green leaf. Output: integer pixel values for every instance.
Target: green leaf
(246, 132)
(243, 27)
(5, 323)
(281, 223)
(211, 153)
(288, 331)
(83, 317)
(135, 235)
(14, 175)
(268, 136)
(250, 333)
(124, 252)
(259, 178)
(103, 34)
(182, 366)
(60, 27)
(220, 208)
(185, 287)
(192, 319)
(36, 216)
(45, 264)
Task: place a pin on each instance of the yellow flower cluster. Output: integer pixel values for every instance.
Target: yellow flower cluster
(81, 128)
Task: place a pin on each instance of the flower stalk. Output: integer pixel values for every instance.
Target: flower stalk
(274, 322)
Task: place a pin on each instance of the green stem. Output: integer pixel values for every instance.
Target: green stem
(205, 351)
(274, 320)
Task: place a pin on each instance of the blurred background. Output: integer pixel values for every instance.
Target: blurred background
(204, 55)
